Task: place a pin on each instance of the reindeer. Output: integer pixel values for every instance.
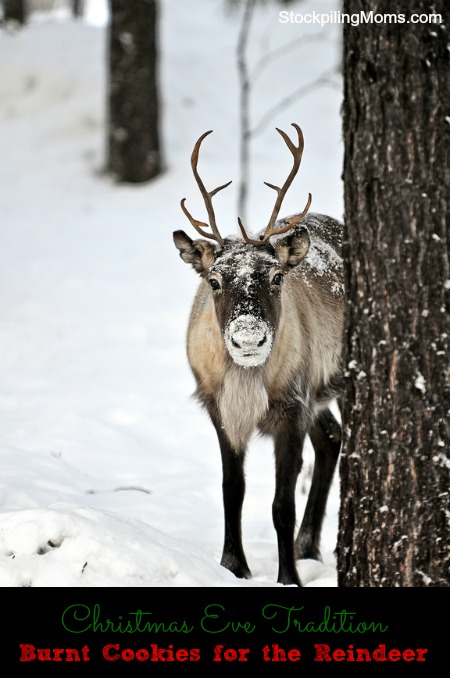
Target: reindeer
(264, 343)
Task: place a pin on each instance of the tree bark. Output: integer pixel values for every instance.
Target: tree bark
(133, 134)
(395, 465)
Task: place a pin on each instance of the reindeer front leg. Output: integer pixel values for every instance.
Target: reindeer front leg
(233, 487)
(288, 459)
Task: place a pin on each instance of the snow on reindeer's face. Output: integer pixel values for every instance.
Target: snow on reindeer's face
(246, 283)
(246, 286)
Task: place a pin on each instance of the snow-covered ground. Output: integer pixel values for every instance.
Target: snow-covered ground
(110, 472)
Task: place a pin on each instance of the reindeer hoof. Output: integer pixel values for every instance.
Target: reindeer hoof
(239, 569)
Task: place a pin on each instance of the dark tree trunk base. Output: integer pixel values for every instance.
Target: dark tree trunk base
(133, 138)
(14, 10)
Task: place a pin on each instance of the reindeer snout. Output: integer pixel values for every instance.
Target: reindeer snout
(248, 340)
(248, 334)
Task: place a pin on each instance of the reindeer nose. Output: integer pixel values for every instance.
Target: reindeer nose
(248, 339)
(248, 333)
(244, 343)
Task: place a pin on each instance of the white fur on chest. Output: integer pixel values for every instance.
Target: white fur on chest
(243, 402)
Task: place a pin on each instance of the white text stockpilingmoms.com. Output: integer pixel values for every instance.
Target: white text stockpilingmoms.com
(356, 19)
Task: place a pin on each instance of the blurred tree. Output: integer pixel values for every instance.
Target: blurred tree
(133, 153)
(77, 8)
(395, 466)
(14, 10)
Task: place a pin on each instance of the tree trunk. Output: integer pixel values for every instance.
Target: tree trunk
(133, 135)
(77, 8)
(395, 466)
(14, 10)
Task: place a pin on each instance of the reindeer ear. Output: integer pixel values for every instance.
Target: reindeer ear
(290, 251)
(198, 253)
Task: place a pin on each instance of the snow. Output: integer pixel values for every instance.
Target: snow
(419, 383)
(110, 472)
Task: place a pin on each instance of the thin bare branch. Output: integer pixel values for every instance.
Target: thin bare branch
(280, 51)
(324, 79)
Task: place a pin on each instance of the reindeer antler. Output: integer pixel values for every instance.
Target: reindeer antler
(297, 152)
(207, 197)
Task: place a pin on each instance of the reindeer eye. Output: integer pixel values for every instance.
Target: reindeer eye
(215, 285)
(277, 279)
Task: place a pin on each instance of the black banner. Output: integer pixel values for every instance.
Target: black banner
(177, 632)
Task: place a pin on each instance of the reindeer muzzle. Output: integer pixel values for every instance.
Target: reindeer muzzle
(248, 340)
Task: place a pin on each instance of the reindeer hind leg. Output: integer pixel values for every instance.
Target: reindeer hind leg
(325, 436)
